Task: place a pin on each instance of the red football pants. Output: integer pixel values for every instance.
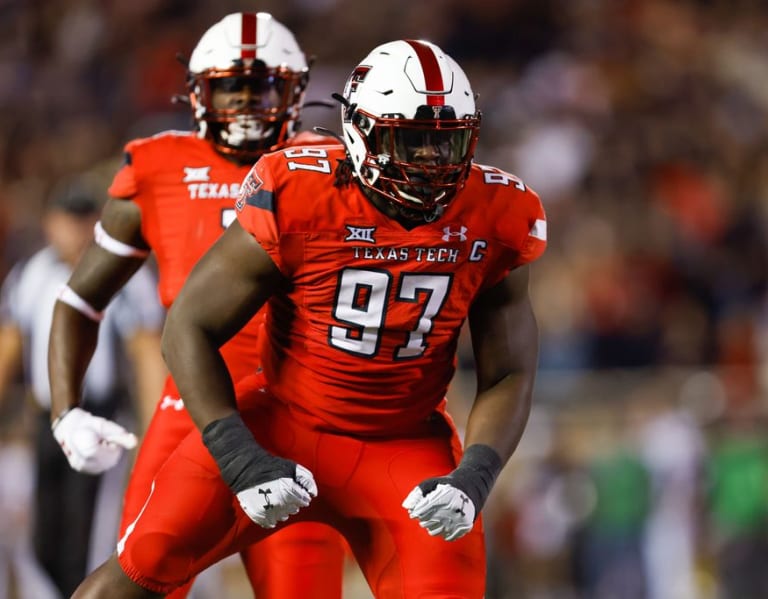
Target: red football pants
(192, 520)
(302, 561)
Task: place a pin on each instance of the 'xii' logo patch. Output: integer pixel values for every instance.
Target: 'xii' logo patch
(364, 234)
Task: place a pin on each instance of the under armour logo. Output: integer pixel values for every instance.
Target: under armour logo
(460, 510)
(267, 503)
(172, 402)
(193, 174)
(360, 234)
(448, 234)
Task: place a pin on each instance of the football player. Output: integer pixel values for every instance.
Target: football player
(368, 285)
(174, 195)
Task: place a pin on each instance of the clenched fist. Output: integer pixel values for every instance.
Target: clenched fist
(91, 443)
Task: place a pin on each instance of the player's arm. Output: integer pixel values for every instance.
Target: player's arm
(224, 290)
(11, 347)
(505, 344)
(117, 253)
(11, 335)
(143, 348)
(505, 340)
(139, 319)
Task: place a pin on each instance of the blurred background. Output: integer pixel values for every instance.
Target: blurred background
(643, 126)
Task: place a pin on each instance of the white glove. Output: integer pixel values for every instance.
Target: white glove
(445, 511)
(92, 444)
(274, 501)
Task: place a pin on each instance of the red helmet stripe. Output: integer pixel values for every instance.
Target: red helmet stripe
(248, 36)
(433, 79)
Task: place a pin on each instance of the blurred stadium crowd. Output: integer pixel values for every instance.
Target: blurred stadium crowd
(643, 125)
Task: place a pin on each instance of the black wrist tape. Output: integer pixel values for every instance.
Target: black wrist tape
(242, 461)
(477, 472)
(474, 475)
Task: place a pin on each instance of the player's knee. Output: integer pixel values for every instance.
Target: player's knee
(157, 561)
(109, 580)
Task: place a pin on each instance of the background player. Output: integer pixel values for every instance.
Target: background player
(175, 195)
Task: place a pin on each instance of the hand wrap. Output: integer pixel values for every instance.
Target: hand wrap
(242, 461)
(474, 475)
(268, 488)
(440, 503)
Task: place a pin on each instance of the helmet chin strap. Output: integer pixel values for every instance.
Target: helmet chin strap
(395, 210)
(435, 214)
(414, 216)
(430, 217)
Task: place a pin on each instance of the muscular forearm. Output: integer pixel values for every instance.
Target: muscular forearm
(144, 350)
(10, 357)
(499, 415)
(71, 346)
(222, 293)
(506, 353)
(199, 371)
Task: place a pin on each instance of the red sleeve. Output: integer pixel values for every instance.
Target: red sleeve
(256, 210)
(533, 240)
(124, 185)
(520, 227)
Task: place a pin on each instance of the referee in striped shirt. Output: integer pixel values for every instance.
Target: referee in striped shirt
(126, 364)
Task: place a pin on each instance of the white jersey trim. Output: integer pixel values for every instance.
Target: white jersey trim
(115, 246)
(68, 296)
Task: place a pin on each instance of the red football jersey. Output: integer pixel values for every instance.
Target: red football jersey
(364, 341)
(186, 192)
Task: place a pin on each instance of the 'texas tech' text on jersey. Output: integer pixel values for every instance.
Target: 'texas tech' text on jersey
(365, 339)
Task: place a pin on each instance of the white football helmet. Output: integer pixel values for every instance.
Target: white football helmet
(410, 125)
(249, 51)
